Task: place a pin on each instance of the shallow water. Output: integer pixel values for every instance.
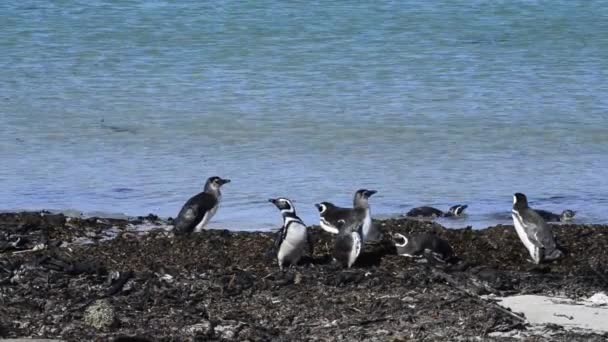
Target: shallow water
(427, 102)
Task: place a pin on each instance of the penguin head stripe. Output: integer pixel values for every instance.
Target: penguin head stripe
(457, 210)
(284, 205)
(568, 214)
(322, 207)
(362, 195)
(397, 236)
(214, 183)
(520, 200)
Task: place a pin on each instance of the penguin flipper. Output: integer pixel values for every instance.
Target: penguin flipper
(278, 239)
(186, 219)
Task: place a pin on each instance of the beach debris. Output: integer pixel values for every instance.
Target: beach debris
(100, 314)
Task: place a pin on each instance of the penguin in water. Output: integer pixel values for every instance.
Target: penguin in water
(566, 215)
(199, 209)
(430, 212)
(292, 240)
(348, 243)
(420, 245)
(533, 231)
(330, 215)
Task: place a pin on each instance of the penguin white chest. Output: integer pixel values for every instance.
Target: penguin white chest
(207, 217)
(523, 236)
(328, 227)
(355, 250)
(367, 224)
(294, 244)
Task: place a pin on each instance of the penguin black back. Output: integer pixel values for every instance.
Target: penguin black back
(548, 216)
(416, 245)
(424, 211)
(199, 209)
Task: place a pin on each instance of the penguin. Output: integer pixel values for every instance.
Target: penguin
(347, 246)
(292, 239)
(329, 215)
(430, 212)
(416, 246)
(566, 215)
(199, 209)
(533, 231)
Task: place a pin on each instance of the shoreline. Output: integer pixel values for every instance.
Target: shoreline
(73, 278)
(476, 220)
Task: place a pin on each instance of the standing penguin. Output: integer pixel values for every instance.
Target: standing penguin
(533, 231)
(348, 242)
(292, 240)
(330, 215)
(199, 209)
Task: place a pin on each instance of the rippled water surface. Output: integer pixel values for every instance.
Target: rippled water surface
(429, 102)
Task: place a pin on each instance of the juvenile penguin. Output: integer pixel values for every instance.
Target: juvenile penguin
(416, 245)
(430, 212)
(533, 231)
(330, 215)
(566, 215)
(292, 240)
(348, 243)
(199, 209)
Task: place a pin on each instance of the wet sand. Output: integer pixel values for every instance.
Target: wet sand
(83, 279)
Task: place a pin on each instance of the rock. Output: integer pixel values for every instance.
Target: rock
(228, 329)
(201, 329)
(598, 299)
(100, 315)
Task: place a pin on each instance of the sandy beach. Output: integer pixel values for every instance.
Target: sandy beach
(109, 279)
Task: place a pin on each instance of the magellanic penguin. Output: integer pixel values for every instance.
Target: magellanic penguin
(566, 215)
(416, 246)
(330, 215)
(348, 243)
(533, 231)
(292, 240)
(199, 209)
(430, 212)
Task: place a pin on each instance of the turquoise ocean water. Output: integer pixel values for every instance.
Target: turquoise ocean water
(428, 102)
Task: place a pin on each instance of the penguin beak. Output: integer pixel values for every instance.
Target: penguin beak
(318, 206)
(225, 181)
(369, 193)
(272, 200)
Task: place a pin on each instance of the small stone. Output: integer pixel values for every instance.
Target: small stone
(228, 330)
(100, 314)
(203, 328)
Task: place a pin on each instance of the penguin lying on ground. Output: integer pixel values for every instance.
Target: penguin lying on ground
(418, 244)
(566, 215)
